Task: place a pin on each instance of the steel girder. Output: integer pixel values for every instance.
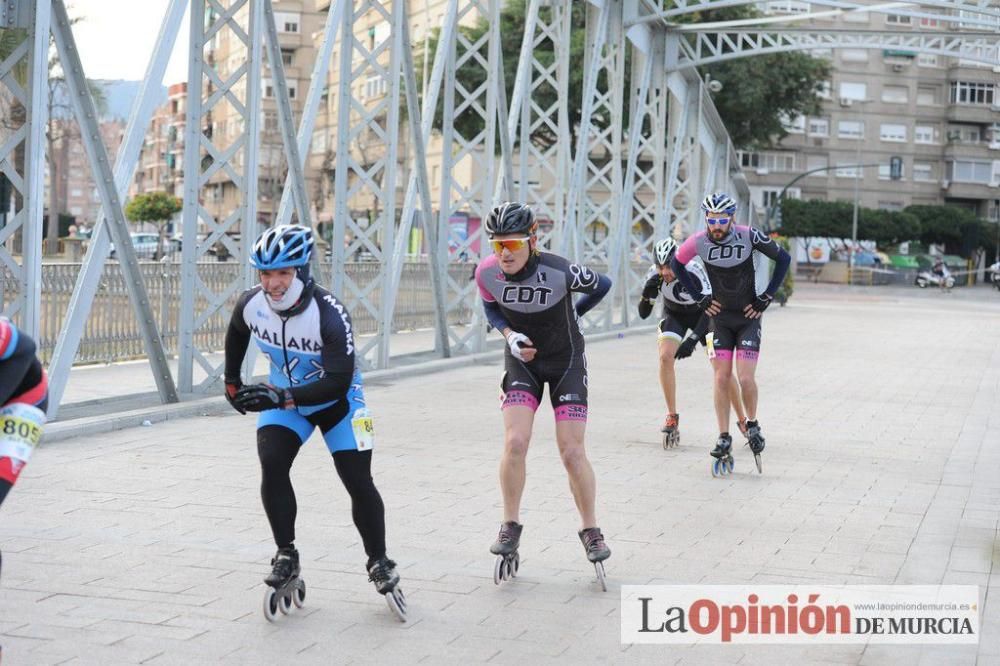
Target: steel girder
(367, 148)
(223, 149)
(473, 156)
(703, 48)
(979, 12)
(542, 170)
(23, 75)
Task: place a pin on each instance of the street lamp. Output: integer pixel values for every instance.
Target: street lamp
(857, 190)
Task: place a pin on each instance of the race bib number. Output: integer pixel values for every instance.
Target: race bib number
(364, 430)
(710, 345)
(20, 431)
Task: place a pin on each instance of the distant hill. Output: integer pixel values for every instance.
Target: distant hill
(121, 94)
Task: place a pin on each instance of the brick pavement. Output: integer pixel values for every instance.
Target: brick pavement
(880, 407)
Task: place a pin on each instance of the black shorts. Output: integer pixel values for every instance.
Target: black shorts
(675, 324)
(522, 385)
(732, 331)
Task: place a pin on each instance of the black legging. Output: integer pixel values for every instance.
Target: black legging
(277, 447)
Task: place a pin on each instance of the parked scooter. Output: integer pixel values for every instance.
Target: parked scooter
(929, 279)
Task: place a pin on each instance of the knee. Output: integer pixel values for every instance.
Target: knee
(722, 378)
(516, 445)
(666, 359)
(573, 455)
(746, 378)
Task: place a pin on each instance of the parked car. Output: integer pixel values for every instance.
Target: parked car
(145, 244)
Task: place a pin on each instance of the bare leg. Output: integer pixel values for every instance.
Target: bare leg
(668, 380)
(723, 378)
(569, 435)
(517, 422)
(745, 370)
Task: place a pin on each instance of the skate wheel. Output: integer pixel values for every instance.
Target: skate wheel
(666, 441)
(299, 593)
(396, 601)
(498, 570)
(729, 465)
(508, 568)
(270, 605)
(716, 468)
(601, 577)
(515, 564)
(285, 602)
(756, 459)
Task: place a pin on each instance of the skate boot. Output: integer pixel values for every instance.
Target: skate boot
(383, 573)
(742, 425)
(671, 434)
(285, 589)
(505, 548)
(597, 551)
(723, 454)
(756, 442)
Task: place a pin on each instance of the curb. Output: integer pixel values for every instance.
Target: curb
(215, 405)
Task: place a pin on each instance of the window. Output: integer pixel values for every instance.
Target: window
(895, 94)
(771, 161)
(826, 54)
(925, 134)
(270, 121)
(993, 213)
(967, 171)
(929, 23)
(269, 89)
(850, 129)
(883, 171)
(816, 162)
(287, 21)
(76, 192)
(849, 90)
(854, 55)
(786, 7)
(890, 205)
(964, 133)
(318, 144)
(846, 170)
(928, 95)
(927, 60)
(856, 17)
(897, 19)
(892, 132)
(923, 171)
(971, 92)
(287, 57)
(824, 90)
(796, 125)
(819, 127)
(376, 86)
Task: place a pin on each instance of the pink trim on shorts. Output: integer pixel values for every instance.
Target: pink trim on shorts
(747, 355)
(724, 354)
(519, 399)
(571, 413)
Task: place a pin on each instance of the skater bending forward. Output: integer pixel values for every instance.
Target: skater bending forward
(527, 296)
(306, 334)
(680, 315)
(24, 396)
(734, 306)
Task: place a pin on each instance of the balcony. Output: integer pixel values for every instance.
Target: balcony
(973, 113)
(979, 150)
(970, 191)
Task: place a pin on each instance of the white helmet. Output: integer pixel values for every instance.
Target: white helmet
(663, 251)
(720, 202)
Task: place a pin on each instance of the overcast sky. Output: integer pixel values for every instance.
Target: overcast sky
(116, 38)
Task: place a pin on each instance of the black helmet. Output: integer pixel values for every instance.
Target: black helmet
(510, 218)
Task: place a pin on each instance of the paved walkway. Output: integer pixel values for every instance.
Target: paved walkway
(880, 406)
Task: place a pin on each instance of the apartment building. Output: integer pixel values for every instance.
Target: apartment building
(938, 116)
(297, 23)
(75, 192)
(161, 162)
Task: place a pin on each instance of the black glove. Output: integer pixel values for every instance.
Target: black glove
(261, 397)
(652, 288)
(232, 388)
(686, 348)
(761, 302)
(704, 302)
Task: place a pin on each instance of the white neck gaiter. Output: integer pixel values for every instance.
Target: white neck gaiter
(290, 298)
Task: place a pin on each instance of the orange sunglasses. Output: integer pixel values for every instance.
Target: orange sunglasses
(512, 244)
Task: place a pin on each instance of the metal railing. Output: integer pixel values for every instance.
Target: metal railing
(112, 334)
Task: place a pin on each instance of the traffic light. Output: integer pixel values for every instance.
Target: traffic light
(895, 167)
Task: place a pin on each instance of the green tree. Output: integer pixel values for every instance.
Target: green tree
(757, 94)
(155, 207)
